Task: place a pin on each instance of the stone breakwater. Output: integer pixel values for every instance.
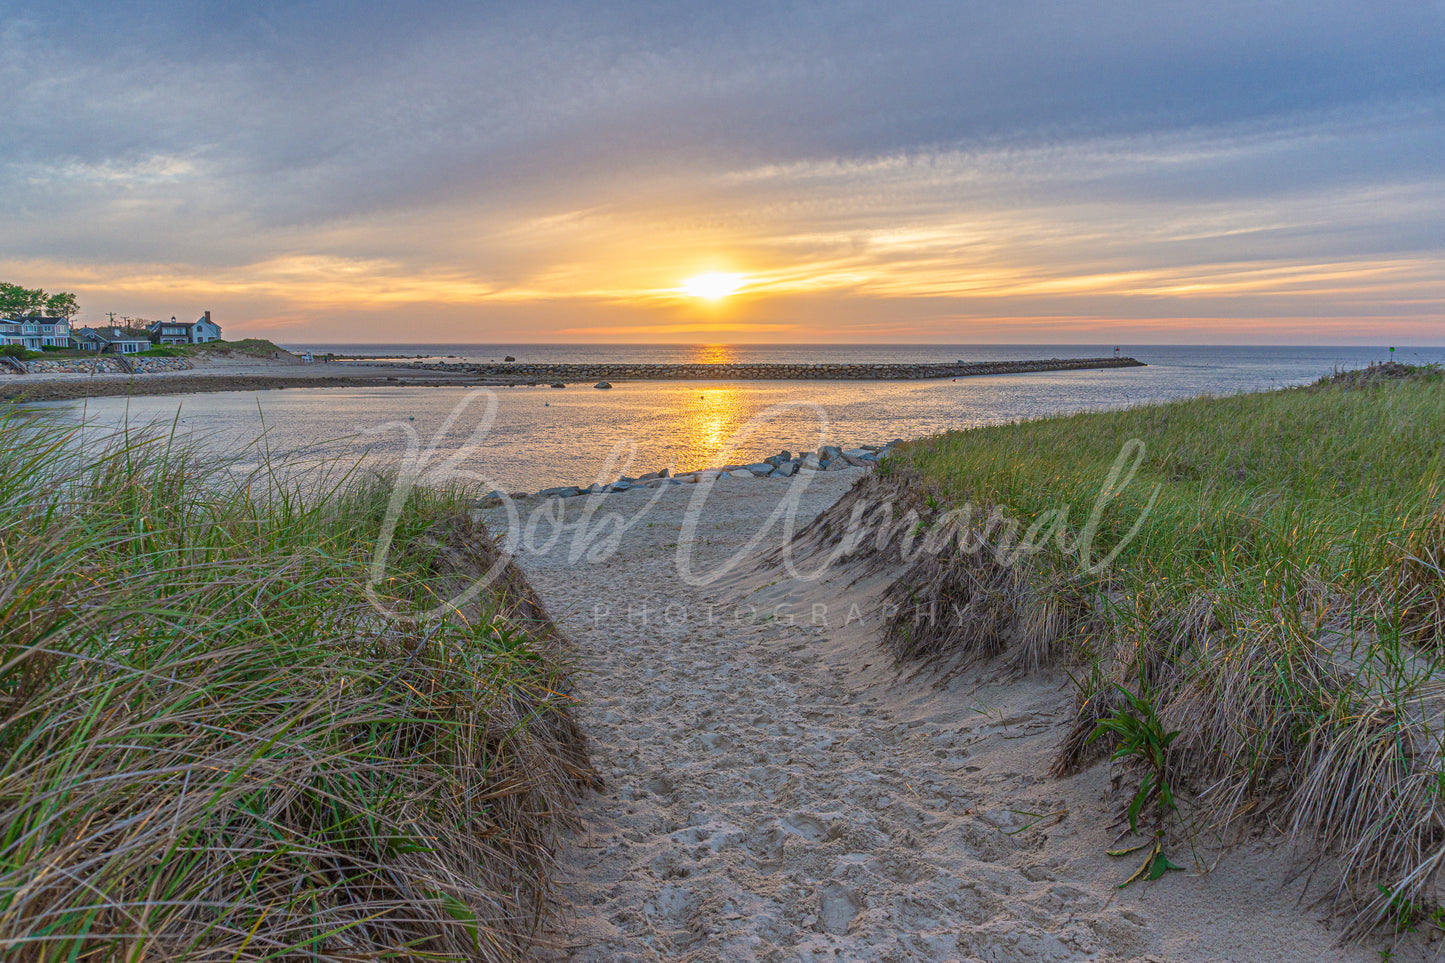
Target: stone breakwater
(154, 365)
(102, 365)
(72, 366)
(773, 371)
(785, 464)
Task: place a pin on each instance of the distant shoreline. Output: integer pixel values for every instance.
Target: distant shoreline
(258, 375)
(22, 389)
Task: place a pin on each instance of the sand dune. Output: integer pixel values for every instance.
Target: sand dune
(776, 792)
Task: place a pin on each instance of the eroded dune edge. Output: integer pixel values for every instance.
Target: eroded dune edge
(801, 767)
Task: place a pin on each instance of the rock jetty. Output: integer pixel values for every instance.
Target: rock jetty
(772, 371)
(785, 464)
(102, 365)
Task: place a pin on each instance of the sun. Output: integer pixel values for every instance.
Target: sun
(712, 286)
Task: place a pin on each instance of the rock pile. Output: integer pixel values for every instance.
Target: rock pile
(785, 464)
(74, 366)
(105, 365)
(152, 365)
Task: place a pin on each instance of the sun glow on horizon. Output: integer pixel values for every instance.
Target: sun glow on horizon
(712, 286)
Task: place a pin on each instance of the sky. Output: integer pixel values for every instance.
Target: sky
(955, 172)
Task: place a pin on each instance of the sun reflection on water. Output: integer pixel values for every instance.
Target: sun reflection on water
(710, 422)
(712, 354)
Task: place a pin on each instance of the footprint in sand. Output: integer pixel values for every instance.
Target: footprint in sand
(808, 827)
(837, 907)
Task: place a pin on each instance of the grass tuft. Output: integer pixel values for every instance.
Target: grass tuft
(214, 748)
(1282, 602)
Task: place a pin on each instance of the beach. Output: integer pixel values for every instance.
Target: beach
(219, 372)
(773, 749)
(776, 790)
(716, 483)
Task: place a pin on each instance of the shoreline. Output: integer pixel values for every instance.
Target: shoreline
(252, 374)
(23, 389)
(776, 720)
(785, 464)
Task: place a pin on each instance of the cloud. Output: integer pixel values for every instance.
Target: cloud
(1104, 159)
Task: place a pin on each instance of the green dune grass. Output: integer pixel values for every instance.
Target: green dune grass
(215, 748)
(1281, 603)
(256, 347)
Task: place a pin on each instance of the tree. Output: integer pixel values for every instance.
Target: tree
(17, 301)
(62, 305)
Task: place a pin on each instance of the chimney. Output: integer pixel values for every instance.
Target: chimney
(208, 317)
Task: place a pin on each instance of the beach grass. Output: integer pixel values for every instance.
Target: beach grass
(216, 748)
(255, 347)
(1277, 596)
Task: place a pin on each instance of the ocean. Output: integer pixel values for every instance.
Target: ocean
(522, 439)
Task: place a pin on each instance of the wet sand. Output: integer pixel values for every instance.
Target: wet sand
(229, 373)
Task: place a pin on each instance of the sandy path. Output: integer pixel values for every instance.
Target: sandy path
(775, 793)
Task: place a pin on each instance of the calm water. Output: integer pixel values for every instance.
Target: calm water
(543, 436)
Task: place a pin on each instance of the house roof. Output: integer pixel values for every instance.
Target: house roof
(155, 325)
(111, 334)
(34, 320)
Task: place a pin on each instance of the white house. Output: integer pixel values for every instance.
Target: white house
(36, 333)
(110, 341)
(185, 332)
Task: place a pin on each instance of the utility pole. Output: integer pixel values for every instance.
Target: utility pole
(111, 315)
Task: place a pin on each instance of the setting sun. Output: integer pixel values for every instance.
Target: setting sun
(712, 285)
